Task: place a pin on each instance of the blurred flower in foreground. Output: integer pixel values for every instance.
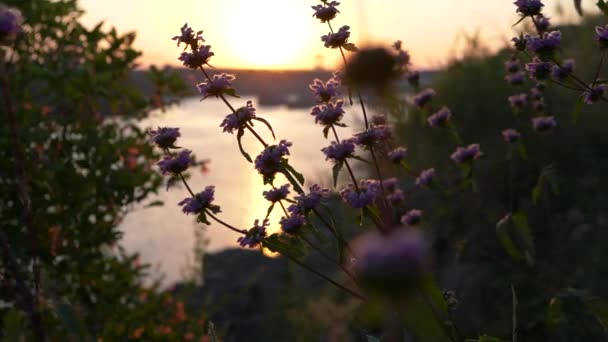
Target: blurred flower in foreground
(10, 23)
(543, 123)
(375, 67)
(595, 93)
(393, 263)
(466, 154)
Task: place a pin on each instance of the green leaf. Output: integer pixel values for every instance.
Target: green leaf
(507, 242)
(523, 152)
(13, 326)
(603, 5)
(238, 139)
(157, 203)
(293, 171)
(578, 109)
(335, 171)
(350, 47)
(231, 92)
(326, 131)
(269, 210)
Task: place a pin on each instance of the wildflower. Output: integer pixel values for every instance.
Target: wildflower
(440, 118)
(200, 202)
(561, 72)
(396, 197)
(367, 193)
(326, 12)
(391, 263)
(390, 184)
(338, 152)
(595, 93)
(11, 21)
(413, 78)
(543, 123)
(293, 223)
(268, 163)
(307, 202)
(373, 135)
(378, 120)
(545, 44)
(536, 93)
(165, 137)
(517, 101)
(277, 194)
(197, 58)
(338, 39)
(426, 177)
(538, 69)
(519, 43)
(397, 155)
(529, 7)
(424, 97)
(466, 154)
(239, 119)
(324, 92)
(189, 37)
(176, 164)
(602, 36)
(328, 114)
(412, 217)
(542, 23)
(512, 65)
(255, 235)
(510, 135)
(218, 85)
(515, 79)
(539, 105)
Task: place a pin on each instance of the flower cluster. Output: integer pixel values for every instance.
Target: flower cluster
(510, 135)
(543, 123)
(538, 69)
(337, 39)
(440, 118)
(529, 7)
(412, 217)
(176, 164)
(255, 235)
(292, 224)
(373, 135)
(595, 93)
(307, 202)
(563, 71)
(11, 21)
(328, 114)
(339, 151)
(426, 177)
(424, 97)
(326, 11)
(368, 190)
(517, 101)
(238, 120)
(394, 195)
(200, 202)
(189, 37)
(466, 154)
(277, 194)
(268, 163)
(324, 92)
(397, 155)
(165, 137)
(217, 86)
(544, 44)
(197, 57)
(602, 36)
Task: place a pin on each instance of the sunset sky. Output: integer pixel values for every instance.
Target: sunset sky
(282, 34)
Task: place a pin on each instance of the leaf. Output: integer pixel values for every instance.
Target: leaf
(72, 322)
(286, 245)
(350, 47)
(326, 131)
(361, 159)
(238, 139)
(525, 234)
(579, 7)
(523, 152)
(507, 242)
(269, 210)
(157, 203)
(293, 171)
(335, 171)
(577, 109)
(231, 92)
(603, 5)
(13, 326)
(267, 125)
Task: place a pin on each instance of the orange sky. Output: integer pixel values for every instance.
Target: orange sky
(281, 34)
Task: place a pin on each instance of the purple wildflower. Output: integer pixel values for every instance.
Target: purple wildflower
(218, 85)
(440, 118)
(277, 194)
(412, 217)
(545, 44)
(397, 155)
(338, 152)
(413, 78)
(368, 191)
(292, 223)
(602, 35)
(165, 137)
(338, 39)
(197, 58)
(307, 202)
(426, 177)
(513, 65)
(595, 93)
(326, 12)
(466, 154)
(238, 120)
(255, 235)
(200, 202)
(396, 197)
(390, 184)
(324, 92)
(176, 164)
(517, 101)
(189, 37)
(539, 105)
(538, 69)
(528, 7)
(391, 263)
(542, 23)
(424, 97)
(519, 43)
(373, 135)
(510, 135)
(378, 120)
(536, 93)
(328, 114)
(268, 163)
(561, 72)
(516, 79)
(543, 123)
(10, 22)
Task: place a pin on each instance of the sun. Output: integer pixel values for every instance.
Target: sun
(268, 34)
